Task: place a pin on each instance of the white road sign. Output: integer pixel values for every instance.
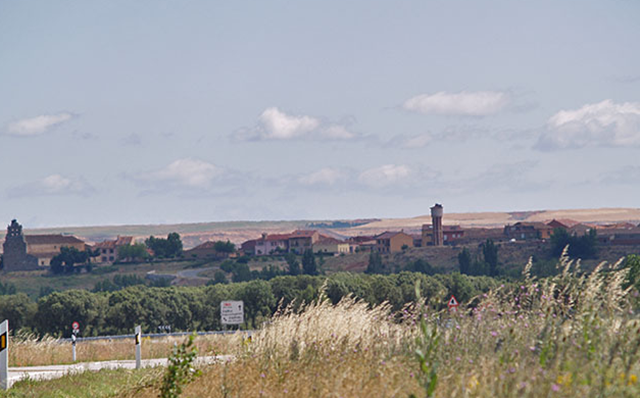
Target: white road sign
(232, 312)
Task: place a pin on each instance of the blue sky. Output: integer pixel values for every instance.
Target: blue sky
(120, 112)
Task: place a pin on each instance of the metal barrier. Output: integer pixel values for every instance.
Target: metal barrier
(154, 335)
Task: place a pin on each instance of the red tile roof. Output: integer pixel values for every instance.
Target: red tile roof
(51, 239)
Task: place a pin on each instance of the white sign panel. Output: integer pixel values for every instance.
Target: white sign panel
(232, 312)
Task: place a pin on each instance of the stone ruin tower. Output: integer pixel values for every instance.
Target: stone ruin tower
(437, 238)
(15, 257)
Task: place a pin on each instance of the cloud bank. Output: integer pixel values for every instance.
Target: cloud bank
(605, 123)
(465, 103)
(52, 185)
(37, 125)
(182, 173)
(274, 124)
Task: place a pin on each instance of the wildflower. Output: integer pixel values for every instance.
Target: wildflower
(494, 334)
(555, 387)
(633, 379)
(472, 383)
(262, 375)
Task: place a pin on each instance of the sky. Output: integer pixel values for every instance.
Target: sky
(150, 112)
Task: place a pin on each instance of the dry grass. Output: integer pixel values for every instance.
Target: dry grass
(573, 335)
(26, 350)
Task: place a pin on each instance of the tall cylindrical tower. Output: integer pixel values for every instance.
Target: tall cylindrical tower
(436, 221)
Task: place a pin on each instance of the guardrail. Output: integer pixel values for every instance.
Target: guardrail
(154, 335)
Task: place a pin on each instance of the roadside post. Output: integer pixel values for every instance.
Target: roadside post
(75, 326)
(138, 333)
(4, 355)
(232, 312)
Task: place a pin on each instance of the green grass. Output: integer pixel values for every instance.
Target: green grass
(31, 282)
(101, 384)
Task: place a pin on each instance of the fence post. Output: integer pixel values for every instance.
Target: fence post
(138, 332)
(4, 355)
(73, 345)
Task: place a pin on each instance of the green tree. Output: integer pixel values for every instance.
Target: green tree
(68, 257)
(292, 264)
(220, 277)
(490, 255)
(241, 273)
(165, 248)
(19, 309)
(224, 247)
(309, 263)
(132, 253)
(464, 261)
(375, 265)
(58, 310)
(633, 277)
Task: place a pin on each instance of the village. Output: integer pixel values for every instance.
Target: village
(35, 252)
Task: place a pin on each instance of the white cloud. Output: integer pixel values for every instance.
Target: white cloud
(416, 141)
(54, 184)
(191, 173)
(603, 124)
(337, 132)
(274, 124)
(477, 103)
(382, 176)
(37, 125)
(326, 176)
(278, 125)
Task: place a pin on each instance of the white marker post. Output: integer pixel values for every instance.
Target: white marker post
(138, 332)
(75, 329)
(4, 355)
(73, 349)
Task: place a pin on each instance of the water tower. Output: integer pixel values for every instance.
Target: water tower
(436, 222)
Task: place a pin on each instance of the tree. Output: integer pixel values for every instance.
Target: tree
(490, 255)
(633, 277)
(167, 248)
(219, 277)
(132, 253)
(224, 247)
(292, 264)
(68, 257)
(421, 266)
(585, 246)
(309, 263)
(241, 273)
(375, 265)
(464, 261)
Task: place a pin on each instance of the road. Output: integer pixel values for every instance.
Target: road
(193, 273)
(56, 371)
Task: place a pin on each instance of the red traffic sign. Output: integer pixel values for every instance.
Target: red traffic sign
(453, 303)
(75, 326)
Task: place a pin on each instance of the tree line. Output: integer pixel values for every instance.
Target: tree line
(198, 308)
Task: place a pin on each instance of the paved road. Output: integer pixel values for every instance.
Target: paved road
(193, 273)
(56, 371)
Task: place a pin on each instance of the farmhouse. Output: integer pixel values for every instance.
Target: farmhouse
(392, 242)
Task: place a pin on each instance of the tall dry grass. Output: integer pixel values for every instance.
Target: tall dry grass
(574, 335)
(27, 350)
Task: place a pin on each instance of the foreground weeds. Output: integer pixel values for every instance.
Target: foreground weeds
(574, 335)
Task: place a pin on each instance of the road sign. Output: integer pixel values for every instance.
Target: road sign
(232, 312)
(4, 355)
(75, 326)
(453, 303)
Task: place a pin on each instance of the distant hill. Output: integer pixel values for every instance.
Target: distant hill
(239, 231)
